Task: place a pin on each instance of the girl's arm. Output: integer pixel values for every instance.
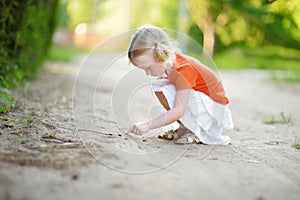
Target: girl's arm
(181, 102)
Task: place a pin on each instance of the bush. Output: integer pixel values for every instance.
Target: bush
(26, 29)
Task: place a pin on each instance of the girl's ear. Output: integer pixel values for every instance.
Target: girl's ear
(156, 58)
(159, 61)
(161, 55)
(160, 52)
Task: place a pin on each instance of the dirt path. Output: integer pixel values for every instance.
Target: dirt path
(65, 141)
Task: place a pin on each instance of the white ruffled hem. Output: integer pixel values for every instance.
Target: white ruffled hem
(203, 116)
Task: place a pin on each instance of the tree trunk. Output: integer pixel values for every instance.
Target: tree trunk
(208, 38)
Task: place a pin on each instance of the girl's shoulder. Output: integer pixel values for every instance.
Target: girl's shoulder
(183, 67)
(185, 59)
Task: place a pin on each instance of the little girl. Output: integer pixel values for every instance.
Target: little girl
(190, 92)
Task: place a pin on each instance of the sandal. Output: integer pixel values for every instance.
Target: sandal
(169, 135)
(188, 140)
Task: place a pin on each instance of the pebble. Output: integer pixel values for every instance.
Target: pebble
(75, 177)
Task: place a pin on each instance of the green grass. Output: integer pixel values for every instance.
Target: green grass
(283, 119)
(6, 101)
(26, 123)
(64, 53)
(263, 57)
(296, 145)
(283, 63)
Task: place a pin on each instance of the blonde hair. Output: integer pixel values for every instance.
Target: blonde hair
(151, 38)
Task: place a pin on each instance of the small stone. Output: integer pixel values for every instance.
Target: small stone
(75, 177)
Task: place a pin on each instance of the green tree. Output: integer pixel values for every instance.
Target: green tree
(202, 13)
(249, 22)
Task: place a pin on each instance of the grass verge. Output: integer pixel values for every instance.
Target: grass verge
(283, 63)
(64, 53)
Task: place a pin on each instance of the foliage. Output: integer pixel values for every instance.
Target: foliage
(6, 101)
(233, 22)
(26, 29)
(249, 22)
(26, 32)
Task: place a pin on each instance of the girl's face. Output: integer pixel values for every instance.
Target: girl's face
(150, 65)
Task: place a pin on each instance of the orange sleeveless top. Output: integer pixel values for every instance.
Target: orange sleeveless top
(191, 74)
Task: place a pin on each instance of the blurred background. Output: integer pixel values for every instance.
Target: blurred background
(261, 34)
(262, 29)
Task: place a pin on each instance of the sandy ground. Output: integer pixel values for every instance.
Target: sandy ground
(65, 140)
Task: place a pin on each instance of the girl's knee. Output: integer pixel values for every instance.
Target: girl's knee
(159, 94)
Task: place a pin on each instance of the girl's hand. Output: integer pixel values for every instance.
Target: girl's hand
(139, 128)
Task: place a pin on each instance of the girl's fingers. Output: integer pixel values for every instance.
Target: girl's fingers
(129, 131)
(134, 129)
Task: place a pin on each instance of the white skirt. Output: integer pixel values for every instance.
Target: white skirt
(203, 116)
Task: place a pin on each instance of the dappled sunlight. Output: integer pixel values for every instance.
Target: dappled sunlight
(81, 29)
(222, 19)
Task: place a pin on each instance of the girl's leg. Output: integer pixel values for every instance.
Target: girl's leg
(162, 99)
